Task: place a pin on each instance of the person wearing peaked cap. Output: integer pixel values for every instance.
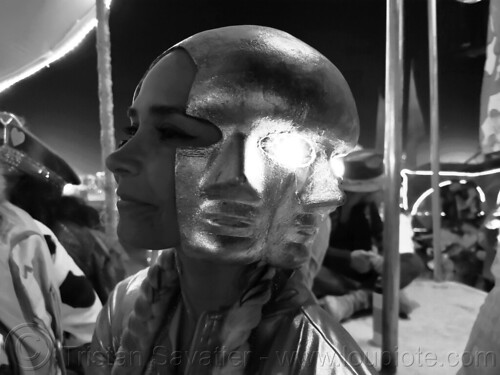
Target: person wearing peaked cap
(21, 151)
(353, 261)
(35, 177)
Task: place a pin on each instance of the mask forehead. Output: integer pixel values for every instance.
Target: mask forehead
(283, 110)
(248, 73)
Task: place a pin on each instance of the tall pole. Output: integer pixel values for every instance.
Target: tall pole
(108, 144)
(434, 118)
(392, 155)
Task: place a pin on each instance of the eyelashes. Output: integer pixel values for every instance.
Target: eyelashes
(129, 131)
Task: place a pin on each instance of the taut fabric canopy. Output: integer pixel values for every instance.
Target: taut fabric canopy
(35, 33)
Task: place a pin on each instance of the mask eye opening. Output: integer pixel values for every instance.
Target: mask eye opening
(288, 149)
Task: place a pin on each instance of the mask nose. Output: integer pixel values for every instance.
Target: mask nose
(322, 190)
(226, 177)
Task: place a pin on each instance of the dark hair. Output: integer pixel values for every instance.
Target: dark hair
(45, 203)
(36, 197)
(75, 210)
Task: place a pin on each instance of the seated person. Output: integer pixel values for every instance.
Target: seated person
(353, 261)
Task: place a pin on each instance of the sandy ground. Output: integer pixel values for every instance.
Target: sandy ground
(432, 340)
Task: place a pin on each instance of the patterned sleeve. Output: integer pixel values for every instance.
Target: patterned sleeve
(80, 304)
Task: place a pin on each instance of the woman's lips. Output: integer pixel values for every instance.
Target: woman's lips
(135, 209)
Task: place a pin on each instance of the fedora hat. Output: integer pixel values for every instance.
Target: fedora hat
(364, 171)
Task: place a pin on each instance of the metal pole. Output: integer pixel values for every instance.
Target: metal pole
(392, 156)
(108, 144)
(434, 118)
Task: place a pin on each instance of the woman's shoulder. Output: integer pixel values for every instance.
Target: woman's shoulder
(114, 316)
(127, 290)
(122, 299)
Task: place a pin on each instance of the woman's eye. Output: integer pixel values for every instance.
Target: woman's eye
(129, 132)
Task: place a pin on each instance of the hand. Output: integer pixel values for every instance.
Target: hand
(377, 263)
(361, 260)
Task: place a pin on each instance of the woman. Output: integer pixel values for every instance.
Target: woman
(227, 164)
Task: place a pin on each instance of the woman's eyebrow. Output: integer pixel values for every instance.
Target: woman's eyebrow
(165, 110)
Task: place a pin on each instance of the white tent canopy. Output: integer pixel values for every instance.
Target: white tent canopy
(35, 33)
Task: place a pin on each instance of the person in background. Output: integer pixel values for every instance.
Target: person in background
(79, 228)
(31, 332)
(35, 177)
(75, 224)
(353, 262)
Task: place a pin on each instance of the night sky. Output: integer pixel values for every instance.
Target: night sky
(60, 103)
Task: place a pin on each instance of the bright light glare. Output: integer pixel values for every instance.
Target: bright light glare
(290, 150)
(337, 166)
(494, 220)
(70, 189)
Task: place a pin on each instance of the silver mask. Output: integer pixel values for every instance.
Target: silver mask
(284, 110)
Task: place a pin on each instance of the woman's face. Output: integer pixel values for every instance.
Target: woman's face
(144, 166)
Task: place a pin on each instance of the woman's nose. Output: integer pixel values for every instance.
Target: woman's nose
(226, 178)
(122, 162)
(323, 188)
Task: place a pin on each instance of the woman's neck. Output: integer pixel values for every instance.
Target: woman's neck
(208, 285)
